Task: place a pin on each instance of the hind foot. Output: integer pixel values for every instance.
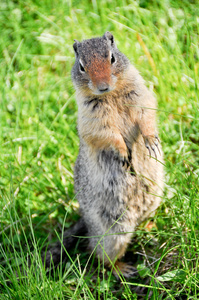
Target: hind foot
(125, 269)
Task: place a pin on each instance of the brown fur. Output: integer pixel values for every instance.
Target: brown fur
(116, 114)
(117, 183)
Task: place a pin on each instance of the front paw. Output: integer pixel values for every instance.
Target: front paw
(122, 156)
(151, 143)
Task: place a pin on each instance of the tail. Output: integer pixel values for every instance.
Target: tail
(57, 252)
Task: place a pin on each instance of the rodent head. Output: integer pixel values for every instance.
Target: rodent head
(98, 64)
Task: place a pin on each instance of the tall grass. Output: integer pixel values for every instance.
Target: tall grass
(39, 145)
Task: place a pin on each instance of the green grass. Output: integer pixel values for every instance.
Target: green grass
(39, 145)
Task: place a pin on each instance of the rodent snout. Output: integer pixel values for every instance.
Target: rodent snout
(101, 77)
(103, 87)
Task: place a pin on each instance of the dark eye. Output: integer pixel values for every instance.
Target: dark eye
(112, 58)
(81, 67)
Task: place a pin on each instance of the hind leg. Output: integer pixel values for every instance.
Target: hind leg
(125, 269)
(111, 248)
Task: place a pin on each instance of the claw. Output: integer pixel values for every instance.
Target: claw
(151, 142)
(156, 142)
(154, 151)
(157, 138)
(158, 149)
(147, 145)
(125, 162)
(126, 269)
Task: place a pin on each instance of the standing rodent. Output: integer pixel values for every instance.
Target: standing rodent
(117, 182)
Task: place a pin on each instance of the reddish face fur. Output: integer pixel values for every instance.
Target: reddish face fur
(100, 72)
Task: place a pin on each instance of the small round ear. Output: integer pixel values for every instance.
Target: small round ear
(75, 47)
(108, 36)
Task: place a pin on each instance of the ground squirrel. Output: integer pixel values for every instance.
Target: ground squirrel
(119, 172)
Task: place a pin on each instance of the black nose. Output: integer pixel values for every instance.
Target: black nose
(103, 87)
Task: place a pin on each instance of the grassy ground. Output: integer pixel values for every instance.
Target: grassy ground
(39, 145)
